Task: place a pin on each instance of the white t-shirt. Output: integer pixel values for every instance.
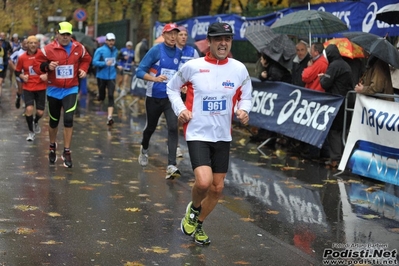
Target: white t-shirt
(215, 89)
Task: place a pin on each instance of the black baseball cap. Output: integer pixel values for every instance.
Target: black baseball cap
(220, 29)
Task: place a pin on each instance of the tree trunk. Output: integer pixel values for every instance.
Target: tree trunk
(201, 8)
(173, 10)
(156, 5)
(135, 21)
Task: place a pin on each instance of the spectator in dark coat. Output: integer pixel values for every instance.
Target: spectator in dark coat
(336, 80)
(273, 71)
(299, 63)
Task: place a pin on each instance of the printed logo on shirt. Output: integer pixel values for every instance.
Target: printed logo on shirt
(228, 84)
(175, 61)
(204, 70)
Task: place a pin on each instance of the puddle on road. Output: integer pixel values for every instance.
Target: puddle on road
(303, 203)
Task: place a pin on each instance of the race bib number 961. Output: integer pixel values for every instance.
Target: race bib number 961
(214, 105)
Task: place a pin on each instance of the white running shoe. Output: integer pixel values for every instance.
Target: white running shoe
(31, 136)
(143, 157)
(37, 128)
(179, 154)
(172, 172)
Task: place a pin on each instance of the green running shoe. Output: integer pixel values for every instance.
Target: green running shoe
(200, 237)
(190, 221)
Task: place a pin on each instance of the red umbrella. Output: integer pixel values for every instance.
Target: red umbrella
(346, 47)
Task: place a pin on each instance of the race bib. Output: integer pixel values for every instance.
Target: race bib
(31, 71)
(110, 59)
(168, 73)
(214, 105)
(64, 72)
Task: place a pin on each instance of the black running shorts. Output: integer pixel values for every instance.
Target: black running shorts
(38, 97)
(212, 154)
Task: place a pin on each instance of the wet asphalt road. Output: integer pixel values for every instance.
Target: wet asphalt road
(277, 208)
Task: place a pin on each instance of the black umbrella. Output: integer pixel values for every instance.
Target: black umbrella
(83, 39)
(375, 45)
(389, 14)
(310, 22)
(277, 46)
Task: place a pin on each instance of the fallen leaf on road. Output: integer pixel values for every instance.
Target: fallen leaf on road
(164, 211)
(87, 188)
(372, 189)
(294, 186)
(287, 168)
(242, 263)
(369, 216)
(279, 165)
(74, 181)
(178, 255)
(394, 230)
(354, 181)
(50, 242)
(133, 263)
(358, 201)
(247, 219)
(86, 171)
(53, 214)
(160, 250)
(155, 249)
(24, 231)
(330, 181)
(242, 142)
(272, 212)
(316, 185)
(25, 208)
(117, 197)
(132, 209)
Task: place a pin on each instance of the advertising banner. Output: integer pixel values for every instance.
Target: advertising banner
(357, 15)
(372, 147)
(293, 111)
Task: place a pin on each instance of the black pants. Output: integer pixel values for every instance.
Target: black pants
(104, 84)
(154, 109)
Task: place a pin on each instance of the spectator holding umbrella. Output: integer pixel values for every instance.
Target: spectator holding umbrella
(273, 71)
(376, 79)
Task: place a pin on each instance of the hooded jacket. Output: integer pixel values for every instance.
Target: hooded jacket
(337, 80)
(338, 77)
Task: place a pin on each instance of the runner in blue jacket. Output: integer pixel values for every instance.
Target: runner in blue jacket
(105, 60)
